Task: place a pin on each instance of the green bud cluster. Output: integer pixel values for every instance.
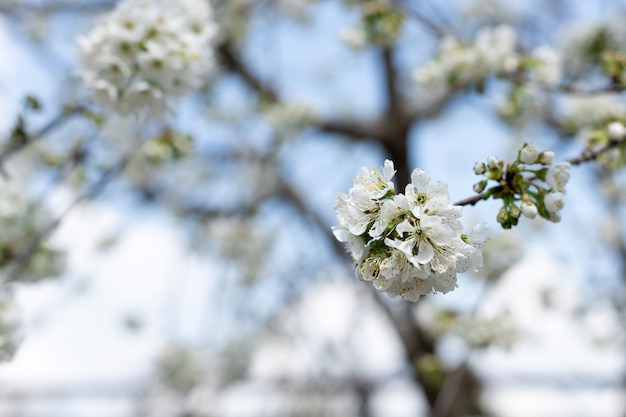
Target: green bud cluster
(523, 185)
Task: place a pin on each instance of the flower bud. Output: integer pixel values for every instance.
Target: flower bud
(479, 168)
(554, 202)
(503, 216)
(616, 130)
(479, 187)
(528, 154)
(515, 212)
(546, 157)
(529, 210)
(493, 162)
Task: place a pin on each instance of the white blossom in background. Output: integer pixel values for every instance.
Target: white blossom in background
(549, 66)
(493, 52)
(576, 42)
(409, 244)
(290, 116)
(582, 112)
(616, 130)
(22, 222)
(145, 54)
(354, 37)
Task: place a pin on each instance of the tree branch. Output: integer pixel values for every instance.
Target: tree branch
(232, 60)
(394, 103)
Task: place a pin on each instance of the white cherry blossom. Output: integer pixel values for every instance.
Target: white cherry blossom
(558, 175)
(410, 244)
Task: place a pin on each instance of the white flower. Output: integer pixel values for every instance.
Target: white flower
(492, 162)
(374, 182)
(390, 210)
(528, 154)
(550, 66)
(554, 201)
(558, 176)
(529, 210)
(353, 210)
(426, 242)
(354, 244)
(554, 204)
(497, 48)
(432, 199)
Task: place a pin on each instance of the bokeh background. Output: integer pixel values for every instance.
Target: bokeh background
(201, 277)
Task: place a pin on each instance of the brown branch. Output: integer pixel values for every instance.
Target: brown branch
(233, 61)
(350, 129)
(570, 89)
(394, 103)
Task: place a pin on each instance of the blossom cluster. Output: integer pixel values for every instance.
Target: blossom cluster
(533, 184)
(405, 244)
(493, 52)
(146, 53)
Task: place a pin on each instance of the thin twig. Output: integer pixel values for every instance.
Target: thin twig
(26, 139)
(233, 61)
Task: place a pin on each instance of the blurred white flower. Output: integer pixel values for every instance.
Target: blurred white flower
(616, 131)
(145, 54)
(549, 69)
(492, 52)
